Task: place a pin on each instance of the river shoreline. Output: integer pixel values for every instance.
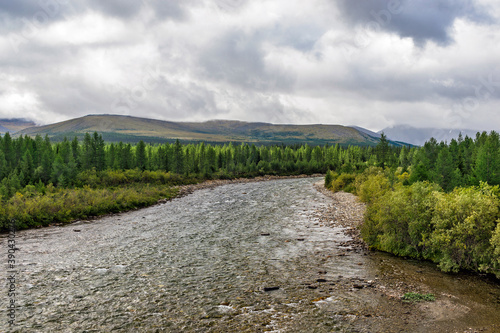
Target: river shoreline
(188, 189)
(347, 211)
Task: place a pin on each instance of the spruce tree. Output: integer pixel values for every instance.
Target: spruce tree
(178, 157)
(140, 155)
(487, 167)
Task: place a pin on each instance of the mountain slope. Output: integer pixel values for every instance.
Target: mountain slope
(366, 131)
(133, 129)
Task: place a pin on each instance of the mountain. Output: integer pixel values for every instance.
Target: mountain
(4, 129)
(418, 136)
(132, 129)
(14, 125)
(366, 131)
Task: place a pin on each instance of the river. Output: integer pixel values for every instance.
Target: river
(250, 257)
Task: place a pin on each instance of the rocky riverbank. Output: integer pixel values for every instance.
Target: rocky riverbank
(391, 313)
(345, 211)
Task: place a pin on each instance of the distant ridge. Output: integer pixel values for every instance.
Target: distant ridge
(132, 129)
(418, 136)
(15, 124)
(4, 129)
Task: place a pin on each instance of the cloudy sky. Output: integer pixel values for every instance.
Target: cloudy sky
(371, 63)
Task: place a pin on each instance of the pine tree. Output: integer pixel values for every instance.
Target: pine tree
(487, 167)
(8, 152)
(403, 158)
(75, 151)
(178, 157)
(3, 166)
(140, 156)
(127, 160)
(98, 150)
(382, 150)
(27, 168)
(71, 171)
(13, 183)
(111, 156)
(86, 158)
(419, 167)
(44, 171)
(445, 170)
(58, 170)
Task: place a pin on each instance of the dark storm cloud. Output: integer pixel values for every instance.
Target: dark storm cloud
(424, 20)
(235, 57)
(238, 58)
(18, 8)
(119, 8)
(73, 95)
(26, 15)
(170, 9)
(177, 98)
(163, 9)
(15, 15)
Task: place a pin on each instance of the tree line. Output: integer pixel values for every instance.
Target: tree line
(461, 162)
(36, 161)
(31, 161)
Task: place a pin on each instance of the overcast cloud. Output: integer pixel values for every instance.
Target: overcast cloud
(371, 63)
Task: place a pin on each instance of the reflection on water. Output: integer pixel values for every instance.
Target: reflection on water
(247, 257)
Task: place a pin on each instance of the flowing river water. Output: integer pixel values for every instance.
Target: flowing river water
(250, 257)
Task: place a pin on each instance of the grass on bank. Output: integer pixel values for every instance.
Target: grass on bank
(35, 209)
(94, 194)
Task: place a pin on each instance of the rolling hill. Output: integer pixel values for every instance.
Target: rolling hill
(132, 129)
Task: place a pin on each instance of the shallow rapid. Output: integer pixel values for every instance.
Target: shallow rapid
(248, 257)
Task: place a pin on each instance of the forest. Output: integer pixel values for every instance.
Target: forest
(439, 202)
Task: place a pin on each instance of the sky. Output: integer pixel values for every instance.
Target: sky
(369, 63)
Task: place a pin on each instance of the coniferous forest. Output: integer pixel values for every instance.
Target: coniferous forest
(438, 202)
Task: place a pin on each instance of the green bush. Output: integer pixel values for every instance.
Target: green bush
(400, 220)
(495, 243)
(368, 188)
(110, 178)
(329, 177)
(344, 182)
(457, 230)
(464, 221)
